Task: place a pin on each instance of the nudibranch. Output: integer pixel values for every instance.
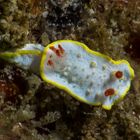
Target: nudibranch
(88, 76)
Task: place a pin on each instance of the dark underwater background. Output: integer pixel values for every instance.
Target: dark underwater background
(31, 109)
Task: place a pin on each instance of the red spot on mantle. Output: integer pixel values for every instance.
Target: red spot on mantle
(119, 74)
(61, 49)
(56, 51)
(50, 62)
(109, 92)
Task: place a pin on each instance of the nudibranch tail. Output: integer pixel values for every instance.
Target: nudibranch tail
(28, 57)
(84, 74)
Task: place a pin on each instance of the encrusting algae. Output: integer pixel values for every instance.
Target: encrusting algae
(92, 78)
(110, 27)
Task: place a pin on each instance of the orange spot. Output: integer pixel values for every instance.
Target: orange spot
(53, 49)
(61, 48)
(50, 62)
(109, 92)
(119, 74)
(56, 51)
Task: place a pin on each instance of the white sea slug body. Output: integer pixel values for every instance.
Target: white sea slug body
(88, 76)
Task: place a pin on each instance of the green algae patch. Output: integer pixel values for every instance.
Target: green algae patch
(88, 76)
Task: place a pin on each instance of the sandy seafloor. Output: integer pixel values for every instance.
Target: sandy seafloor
(30, 109)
